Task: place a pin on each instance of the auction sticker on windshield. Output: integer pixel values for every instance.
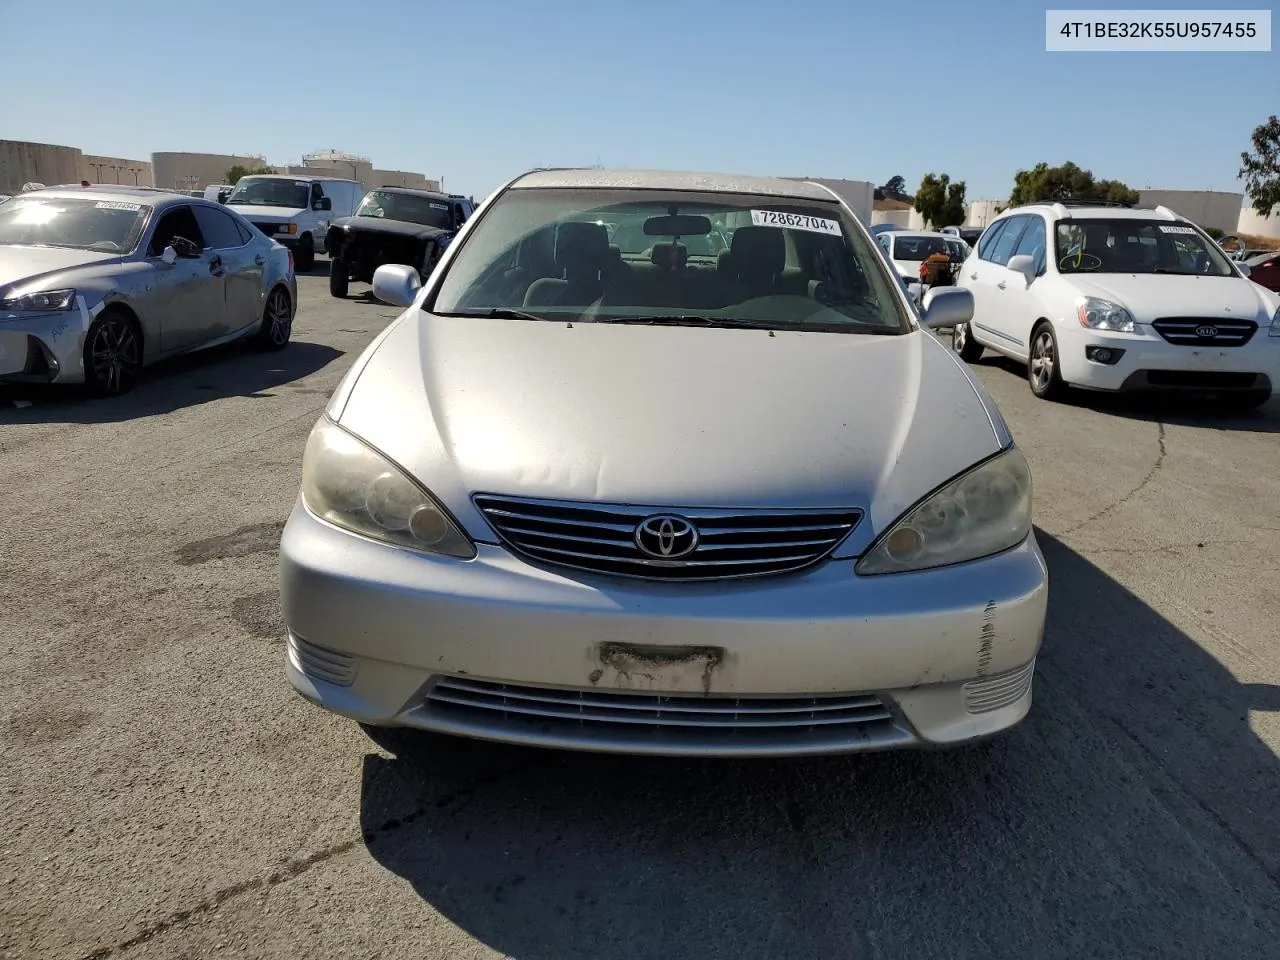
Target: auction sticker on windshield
(118, 205)
(1190, 230)
(796, 221)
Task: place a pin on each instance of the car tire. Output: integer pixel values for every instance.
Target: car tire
(304, 256)
(962, 342)
(112, 354)
(1244, 400)
(339, 281)
(1044, 372)
(277, 321)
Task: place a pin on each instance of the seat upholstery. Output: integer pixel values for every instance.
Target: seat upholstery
(755, 260)
(583, 257)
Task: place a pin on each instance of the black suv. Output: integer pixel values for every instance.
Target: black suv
(393, 225)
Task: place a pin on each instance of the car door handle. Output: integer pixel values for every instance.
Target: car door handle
(259, 260)
(1000, 284)
(973, 276)
(215, 266)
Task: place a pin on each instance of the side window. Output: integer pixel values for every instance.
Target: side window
(317, 192)
(1032, 243)
(884, 243)
(1007, 242)
(990, 237)
(459, 215)
(219, 229)
(177, 222)
(245, 234)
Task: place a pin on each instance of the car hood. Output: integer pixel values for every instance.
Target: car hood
(1150, 296)
(908, 268)
(400, 228)
(252, 211)
(32, 263)
(669, 416)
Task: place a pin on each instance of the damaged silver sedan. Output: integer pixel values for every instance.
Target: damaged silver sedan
(98, 282)
(642, 492)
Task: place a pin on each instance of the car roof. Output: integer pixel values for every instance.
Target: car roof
(924, 233)
(589, 178)
(415, 192)
(146, 195)
(308, 177)
(1063, 211)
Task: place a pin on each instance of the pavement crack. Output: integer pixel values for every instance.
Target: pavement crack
(449, 803)
(1162, 453)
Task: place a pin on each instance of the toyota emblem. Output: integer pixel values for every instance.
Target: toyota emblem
(666, 537)
(1207, 332)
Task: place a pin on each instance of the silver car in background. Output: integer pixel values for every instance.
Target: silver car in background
(98, 282)
(625, 496)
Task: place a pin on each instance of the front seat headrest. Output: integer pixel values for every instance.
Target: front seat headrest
(758, 250)
(582, 246)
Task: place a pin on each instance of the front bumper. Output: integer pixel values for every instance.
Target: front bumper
(498, 649)
(42, 348)
(1149, 362)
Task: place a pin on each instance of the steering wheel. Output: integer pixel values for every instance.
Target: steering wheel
(1241, 247)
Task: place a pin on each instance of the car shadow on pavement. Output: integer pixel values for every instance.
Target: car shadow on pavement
(1131, 814)
(234, 370)
(1184, 410)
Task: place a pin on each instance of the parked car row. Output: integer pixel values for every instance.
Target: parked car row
(98, 282)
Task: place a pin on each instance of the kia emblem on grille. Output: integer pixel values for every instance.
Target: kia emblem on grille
(666, 537)
(1206, 331)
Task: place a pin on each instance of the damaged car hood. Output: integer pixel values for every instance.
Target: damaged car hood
(668, 416)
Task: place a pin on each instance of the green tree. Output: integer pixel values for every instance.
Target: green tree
(234, 174)
(1260, 170)
(896, 186)
(939, 201)
(1066, 182)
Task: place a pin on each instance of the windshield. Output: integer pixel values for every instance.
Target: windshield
(406, 207)
(270, 192)
(917, 248)
(112, 226)
(707, 258)
(1138, 246)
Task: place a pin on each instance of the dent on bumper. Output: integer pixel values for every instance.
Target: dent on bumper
(498, 649)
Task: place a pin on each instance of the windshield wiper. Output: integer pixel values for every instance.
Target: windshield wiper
(694, 320)
(1179, 273)
(502, 313)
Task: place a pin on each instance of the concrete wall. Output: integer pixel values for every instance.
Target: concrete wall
(1254, 223)
(1206, 208)
(403, 178)
(116, 170)
(982, 212)
(194, 171)
(22, 162)
(899, 218)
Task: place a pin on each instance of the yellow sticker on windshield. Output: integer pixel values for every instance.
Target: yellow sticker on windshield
(795, 221)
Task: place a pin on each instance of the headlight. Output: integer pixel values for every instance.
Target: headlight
(48, 301)
(982, 512)
(351, 485)
(1104, 315)
(1274, 331)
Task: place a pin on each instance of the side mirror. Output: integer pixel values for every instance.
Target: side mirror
(170, 256)
(324, 203)
(1244, 268)
(1024, 265)
(947, 306)
(396, 284)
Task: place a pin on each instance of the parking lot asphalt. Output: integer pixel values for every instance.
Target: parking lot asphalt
(163, 793)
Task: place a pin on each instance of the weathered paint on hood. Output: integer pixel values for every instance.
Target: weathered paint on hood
(668, 416)
(21, 265)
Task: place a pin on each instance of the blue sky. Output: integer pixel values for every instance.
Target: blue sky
(479, 90)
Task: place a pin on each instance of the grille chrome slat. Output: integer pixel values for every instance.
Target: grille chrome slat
(665, 702)
(608, 713)
(1182, 331)
(732, 543)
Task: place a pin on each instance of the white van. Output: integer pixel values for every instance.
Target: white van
(294, 210)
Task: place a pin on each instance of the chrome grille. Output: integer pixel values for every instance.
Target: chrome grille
(1184, 331)
(268, 228)
(546, 714)
(601, 538)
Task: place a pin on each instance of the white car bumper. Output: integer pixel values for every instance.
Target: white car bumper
(1145, 361)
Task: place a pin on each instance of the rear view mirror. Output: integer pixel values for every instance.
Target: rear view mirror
(396, 284)
(677, 225)
(1024, 265)
(947, 306)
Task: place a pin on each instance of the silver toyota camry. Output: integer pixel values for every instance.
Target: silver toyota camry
(641, 493)
(98, 282)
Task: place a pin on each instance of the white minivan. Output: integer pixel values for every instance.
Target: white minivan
(295, 210)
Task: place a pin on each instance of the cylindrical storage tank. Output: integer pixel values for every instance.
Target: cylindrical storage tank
(22, 162)
(399, 178)
(1256, 225)
(194, 171)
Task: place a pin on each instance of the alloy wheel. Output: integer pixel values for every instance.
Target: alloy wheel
(1042, 360)
(279, 321)
(114, 354)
